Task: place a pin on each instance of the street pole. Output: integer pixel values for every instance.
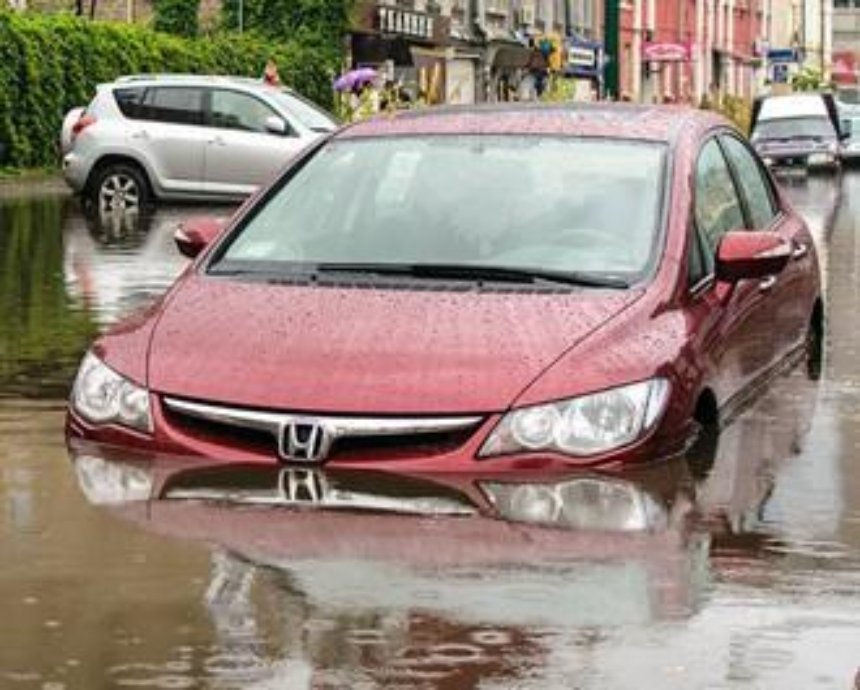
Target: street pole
(241, 16)
(611, 15)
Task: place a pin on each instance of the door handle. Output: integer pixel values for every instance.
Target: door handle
(218, 141)
(767, 284)
(801, 249)
(140, 134)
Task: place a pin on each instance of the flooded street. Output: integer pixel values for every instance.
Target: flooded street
(739, 568)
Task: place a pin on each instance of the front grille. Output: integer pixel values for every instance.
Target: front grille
(351, 438)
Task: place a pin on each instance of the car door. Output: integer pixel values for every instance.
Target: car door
(794, 290)
(737, 320)
(241, 152)
(169, 132)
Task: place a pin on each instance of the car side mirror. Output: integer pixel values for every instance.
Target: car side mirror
(749, 254)
(195, 234)
(845, 130)
(275, 125)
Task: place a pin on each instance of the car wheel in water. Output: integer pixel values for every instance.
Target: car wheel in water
(119, 187)
(814, 352)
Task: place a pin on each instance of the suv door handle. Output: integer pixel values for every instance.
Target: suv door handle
(140, 134)
(801, 249)
(767, 284)
(218, 141)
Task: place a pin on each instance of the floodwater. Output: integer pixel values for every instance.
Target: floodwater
(741, 573)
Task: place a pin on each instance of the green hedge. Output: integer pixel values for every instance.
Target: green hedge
(50, 64)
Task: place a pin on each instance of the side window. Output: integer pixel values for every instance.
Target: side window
(177, 105)
(717, 206)
(129, 101)
(233, 110)
(754, 186)
(697, 267)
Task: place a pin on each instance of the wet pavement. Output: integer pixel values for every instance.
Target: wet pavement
(742, 571)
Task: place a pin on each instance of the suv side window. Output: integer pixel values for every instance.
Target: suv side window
(717, 206)
(234, 110)
(180, 105)
(754, 186)
(129, 101)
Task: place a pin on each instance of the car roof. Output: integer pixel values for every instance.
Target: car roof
(607, 120)
(792, 105)
(195, 79)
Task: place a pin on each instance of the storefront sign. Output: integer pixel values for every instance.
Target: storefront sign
(584, 59)
(666, 52)
(782, 55)
(393, 20)
(581, 57)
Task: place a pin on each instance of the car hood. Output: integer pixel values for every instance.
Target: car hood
(365, 350)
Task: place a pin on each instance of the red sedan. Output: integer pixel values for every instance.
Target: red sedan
(484, 289)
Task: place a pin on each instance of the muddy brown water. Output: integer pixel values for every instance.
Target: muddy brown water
(743, 576)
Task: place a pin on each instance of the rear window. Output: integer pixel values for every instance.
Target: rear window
(129, 101)
(794, 128)
(173, 104)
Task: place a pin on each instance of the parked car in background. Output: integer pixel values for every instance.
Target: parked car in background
(463, 289)
(848, 101)
(850, 152)
(799, 131)
(152, 137)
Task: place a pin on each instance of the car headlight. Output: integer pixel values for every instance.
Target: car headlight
(111, 483)
(587, 425)
(590, 503)
(102, 396)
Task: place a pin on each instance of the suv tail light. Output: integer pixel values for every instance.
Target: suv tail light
(83, 122)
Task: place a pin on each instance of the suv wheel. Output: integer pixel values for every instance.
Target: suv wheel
(119, 187)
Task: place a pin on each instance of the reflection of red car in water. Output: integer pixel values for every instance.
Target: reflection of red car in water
(471, 290)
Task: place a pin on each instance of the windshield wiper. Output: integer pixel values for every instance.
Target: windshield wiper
(478, 273)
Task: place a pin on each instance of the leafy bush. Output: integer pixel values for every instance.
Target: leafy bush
(735, 108)
(176, 17)
(52, 63)
(809, 79)
(320, 22)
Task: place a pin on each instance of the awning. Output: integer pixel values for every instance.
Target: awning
(845, 67)
(373, 49)
(508, 56)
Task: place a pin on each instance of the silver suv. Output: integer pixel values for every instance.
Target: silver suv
(184, 137)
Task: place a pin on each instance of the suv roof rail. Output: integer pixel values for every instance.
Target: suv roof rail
(159, 76)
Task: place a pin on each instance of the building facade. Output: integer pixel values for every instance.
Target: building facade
(688, 50)
(846, 42)
(467, 51)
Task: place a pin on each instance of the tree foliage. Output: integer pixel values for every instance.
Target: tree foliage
(176, 17)
(52, 63)
(314, 22)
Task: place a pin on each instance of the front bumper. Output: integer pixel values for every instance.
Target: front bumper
(178, 434)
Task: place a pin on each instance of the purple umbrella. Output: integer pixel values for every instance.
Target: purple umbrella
(355, 77)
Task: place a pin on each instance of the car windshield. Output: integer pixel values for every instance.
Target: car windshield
(794, 127)
(502, 202)
(849, 95)
(308, 114)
